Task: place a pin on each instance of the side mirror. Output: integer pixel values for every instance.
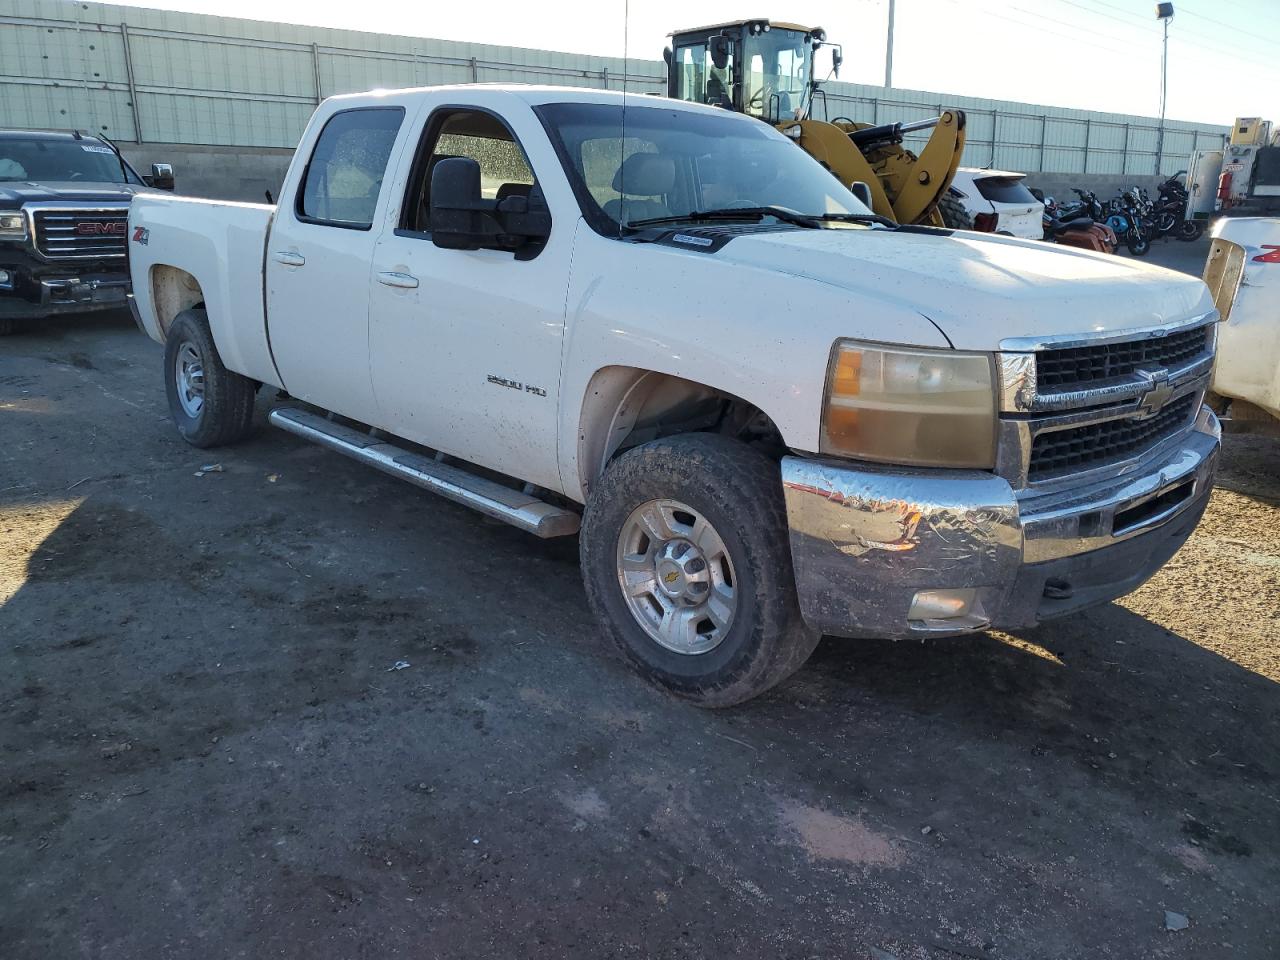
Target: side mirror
(862, 191)
(161, 176)
(719, 51)
(524, 218)
(462, 219)
(666, 56)
(837, 58)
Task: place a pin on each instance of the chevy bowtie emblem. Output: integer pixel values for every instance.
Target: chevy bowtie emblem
(1157, 393)
(670, 577)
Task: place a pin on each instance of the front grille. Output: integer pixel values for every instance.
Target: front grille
(1058, 452)
(1079, 368)
(65, 234)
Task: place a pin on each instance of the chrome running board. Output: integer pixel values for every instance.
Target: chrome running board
(452, 482)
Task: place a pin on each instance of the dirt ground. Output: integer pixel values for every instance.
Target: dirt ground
(204, 751)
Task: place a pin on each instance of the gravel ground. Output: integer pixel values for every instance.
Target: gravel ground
(204, 751)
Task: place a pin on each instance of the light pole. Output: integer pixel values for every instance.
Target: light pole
(1164, 13)
(888, 50)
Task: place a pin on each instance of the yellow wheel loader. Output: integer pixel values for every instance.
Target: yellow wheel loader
(766, 69)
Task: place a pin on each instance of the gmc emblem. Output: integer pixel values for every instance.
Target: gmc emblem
(100, 228)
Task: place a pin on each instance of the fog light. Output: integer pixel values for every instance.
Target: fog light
(6, 278)
(941, 604)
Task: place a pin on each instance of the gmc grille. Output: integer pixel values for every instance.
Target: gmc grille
(69, 234)
(1080, 368)
(1058, 452)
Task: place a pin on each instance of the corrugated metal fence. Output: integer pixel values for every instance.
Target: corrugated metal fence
(151, 76)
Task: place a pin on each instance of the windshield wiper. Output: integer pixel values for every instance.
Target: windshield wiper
(124, 170)
(731, 213)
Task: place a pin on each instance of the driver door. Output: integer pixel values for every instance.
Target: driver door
(465, 344)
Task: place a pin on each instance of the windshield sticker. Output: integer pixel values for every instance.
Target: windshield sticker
(88, 149)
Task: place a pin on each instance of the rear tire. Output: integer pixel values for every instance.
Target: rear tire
(211, 405)
(1189, 230)
(671, 523)
(8, 325)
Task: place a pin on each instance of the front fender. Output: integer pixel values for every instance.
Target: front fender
(763, 336)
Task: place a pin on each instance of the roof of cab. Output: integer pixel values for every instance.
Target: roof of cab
(773, 25)
(532, 94)
(18, 133)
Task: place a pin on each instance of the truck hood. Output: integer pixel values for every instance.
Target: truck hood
(16, 193)
(979, 289)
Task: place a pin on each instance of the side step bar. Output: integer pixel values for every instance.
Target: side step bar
(479, 493)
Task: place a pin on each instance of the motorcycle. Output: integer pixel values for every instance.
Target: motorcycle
(1080, 232)
(1086, 204)
(1124, 215)
(1171, 212)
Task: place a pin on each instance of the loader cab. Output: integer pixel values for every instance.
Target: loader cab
(753, 66)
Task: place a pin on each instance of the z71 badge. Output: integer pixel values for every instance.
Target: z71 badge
(141, 235)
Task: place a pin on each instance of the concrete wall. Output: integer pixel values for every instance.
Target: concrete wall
(154, 76)
(1105, 185)
(217, 173)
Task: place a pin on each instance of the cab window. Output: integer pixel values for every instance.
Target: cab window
(475, 135)
(344, 175)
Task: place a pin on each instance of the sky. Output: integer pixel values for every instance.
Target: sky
(1224, 57)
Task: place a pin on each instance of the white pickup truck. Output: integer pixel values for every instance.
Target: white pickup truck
(768, 413)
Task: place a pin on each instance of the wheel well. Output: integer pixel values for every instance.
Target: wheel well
(626, 407)
(172, 291)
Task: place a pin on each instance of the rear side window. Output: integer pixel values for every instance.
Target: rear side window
(1005, 190)
(344, 175)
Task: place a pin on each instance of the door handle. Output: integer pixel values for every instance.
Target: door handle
(393, 279)
(289, 259)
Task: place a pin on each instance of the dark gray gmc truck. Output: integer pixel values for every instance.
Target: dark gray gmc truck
(64, 209)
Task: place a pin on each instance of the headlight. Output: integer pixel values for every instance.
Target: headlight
(13, 226)
(932, 408)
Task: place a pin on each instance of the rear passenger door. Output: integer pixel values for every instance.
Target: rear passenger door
(465, 344)
(318, 256)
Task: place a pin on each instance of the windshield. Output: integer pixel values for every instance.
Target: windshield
(673, 163)
(55, 161)
(777, 65)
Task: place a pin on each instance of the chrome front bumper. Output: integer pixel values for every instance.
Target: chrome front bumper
(865, 541)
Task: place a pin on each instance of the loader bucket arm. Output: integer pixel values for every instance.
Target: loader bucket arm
(831, 147)
(918, 184)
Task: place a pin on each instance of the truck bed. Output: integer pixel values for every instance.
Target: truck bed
(220, 242)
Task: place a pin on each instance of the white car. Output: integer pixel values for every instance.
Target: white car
(767, 413)
(1243, 272)
(998, 201)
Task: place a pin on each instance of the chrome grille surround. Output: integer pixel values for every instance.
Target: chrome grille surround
(1133, 395)
(53, 228)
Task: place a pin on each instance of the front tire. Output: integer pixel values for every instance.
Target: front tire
(687, 565)
(954, 214)
(211, 405)
(1139, 247)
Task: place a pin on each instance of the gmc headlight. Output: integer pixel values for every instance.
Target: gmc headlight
(13, 226)
(928, 408)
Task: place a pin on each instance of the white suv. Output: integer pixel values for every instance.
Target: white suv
(999, 202)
